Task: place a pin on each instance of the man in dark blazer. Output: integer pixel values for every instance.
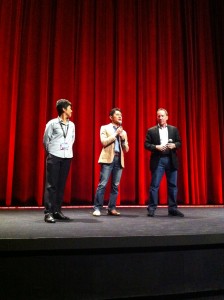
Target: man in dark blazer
(163, 140)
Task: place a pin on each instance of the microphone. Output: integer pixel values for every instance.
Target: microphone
(169, 142)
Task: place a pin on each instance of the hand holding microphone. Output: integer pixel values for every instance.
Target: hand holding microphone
(170, 144)
(121, 134)
(164, 148)
(119, 129)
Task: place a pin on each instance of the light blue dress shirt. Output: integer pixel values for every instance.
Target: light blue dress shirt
(55, 136)
(116, 146)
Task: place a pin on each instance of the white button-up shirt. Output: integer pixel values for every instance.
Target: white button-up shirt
(163, 133)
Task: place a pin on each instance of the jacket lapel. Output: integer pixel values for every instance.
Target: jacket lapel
(157, 136)
(170, 133)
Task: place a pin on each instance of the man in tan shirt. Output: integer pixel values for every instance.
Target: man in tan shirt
(115, 143)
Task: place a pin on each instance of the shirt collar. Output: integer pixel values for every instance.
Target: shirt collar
(160, 127)
(114, 125)
(62, 122)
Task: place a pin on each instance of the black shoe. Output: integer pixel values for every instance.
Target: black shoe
(175, 213)
(59, 216)
(151, 213)
(48, 218)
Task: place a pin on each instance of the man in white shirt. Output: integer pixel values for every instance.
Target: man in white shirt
(58, 140)
(163, 140)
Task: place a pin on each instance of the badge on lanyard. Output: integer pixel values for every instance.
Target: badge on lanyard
(64, 146)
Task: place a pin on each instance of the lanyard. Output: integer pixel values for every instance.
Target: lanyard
(64, 134)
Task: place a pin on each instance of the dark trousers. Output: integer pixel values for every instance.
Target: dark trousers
(57, 170)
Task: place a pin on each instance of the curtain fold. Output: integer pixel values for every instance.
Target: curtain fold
(138, 55)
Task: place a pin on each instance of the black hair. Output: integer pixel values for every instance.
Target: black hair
(113, 110)
(62, 103)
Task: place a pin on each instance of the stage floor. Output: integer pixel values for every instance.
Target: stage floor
(200, 226)
(140, 257)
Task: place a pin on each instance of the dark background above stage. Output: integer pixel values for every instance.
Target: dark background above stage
(137, 55)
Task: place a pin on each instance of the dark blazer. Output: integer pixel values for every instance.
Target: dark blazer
(152, 139)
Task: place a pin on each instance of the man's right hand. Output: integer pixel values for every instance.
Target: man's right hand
(161, 148)
(119, 130)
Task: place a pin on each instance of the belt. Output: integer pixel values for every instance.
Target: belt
(117, 153)
(164, 155)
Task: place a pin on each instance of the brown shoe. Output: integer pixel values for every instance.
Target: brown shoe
(113, 212)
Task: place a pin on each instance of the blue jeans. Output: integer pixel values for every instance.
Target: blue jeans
(164, 166)
(106, 170)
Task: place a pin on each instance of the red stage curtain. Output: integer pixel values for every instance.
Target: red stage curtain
(99, 54)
